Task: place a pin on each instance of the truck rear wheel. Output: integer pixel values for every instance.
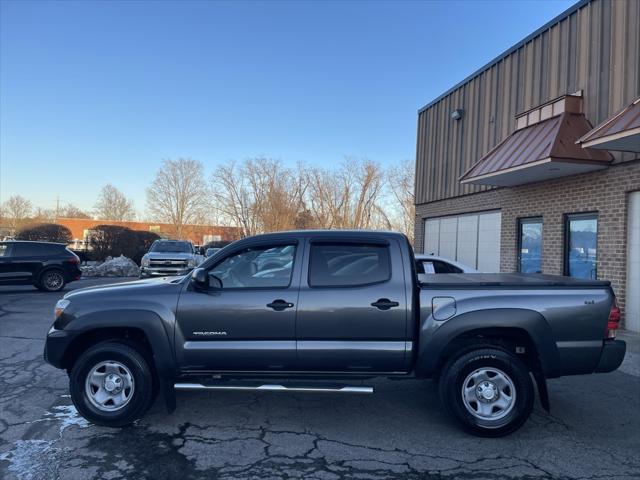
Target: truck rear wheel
(111, 384)
(488, 390)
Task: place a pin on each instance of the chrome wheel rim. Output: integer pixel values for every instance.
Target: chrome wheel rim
(53, 280)
(488, 394)
(109, 386)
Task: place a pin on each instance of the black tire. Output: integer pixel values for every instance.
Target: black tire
(464, 371)
(51, 280)
(135, 365)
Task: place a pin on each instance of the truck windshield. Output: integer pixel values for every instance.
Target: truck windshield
(174, 247)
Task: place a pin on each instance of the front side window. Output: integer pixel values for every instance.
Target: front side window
(336, 264)
(581, 245)
(257, 267)
(530, 245)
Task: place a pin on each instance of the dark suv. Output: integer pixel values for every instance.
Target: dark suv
(47, 266)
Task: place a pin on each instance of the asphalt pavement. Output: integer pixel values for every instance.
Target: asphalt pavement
(401, 431)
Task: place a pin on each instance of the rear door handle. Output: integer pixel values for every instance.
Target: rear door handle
(279, 305)
(384, 304)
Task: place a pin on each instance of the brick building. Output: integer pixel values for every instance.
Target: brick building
(511, 174)
(198, 234)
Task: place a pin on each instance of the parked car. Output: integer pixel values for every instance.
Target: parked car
(429, 264)
(169, 257)
(46, 266)
(321, 311)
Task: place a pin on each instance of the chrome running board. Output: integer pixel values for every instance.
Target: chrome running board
(272, 388)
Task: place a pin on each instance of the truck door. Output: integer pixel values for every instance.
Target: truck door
(246, 319)
(352, 308)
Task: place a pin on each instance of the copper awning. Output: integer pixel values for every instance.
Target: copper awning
(620, 132)
(541, 151)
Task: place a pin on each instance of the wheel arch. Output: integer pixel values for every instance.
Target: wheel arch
(140, 327)
(504, 328)
(136, 337)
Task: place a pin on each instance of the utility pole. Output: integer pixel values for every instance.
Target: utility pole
(57, 206)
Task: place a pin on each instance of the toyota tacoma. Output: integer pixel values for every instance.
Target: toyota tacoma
(323, 311)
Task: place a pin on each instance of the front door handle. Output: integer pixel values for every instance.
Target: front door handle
(279, 305)
(384, 304)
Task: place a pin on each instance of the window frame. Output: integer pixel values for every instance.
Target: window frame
(567, 218)
(362, 243)
(266, 246)
(524, 221)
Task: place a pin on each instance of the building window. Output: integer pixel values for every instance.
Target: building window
(581, 245)
(530, 245)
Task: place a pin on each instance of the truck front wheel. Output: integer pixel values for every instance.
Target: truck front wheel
(489, 391)
(111, 384)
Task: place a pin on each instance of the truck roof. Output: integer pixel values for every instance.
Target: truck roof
(331, 234)
(523, 280)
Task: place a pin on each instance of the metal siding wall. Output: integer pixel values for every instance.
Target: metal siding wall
(596, 49)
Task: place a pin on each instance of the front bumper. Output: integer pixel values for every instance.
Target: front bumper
(163, 272)
(56, 345)
(612, 356)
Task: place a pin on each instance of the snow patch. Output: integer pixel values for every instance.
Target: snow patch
(32, 459)
(68, 415)
(112, 267)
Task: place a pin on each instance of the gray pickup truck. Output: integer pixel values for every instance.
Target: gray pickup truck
(323, 311)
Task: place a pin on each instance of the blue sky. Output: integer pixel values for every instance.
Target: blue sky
(96, 92)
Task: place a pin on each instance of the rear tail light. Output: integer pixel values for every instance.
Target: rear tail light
(73, 260)
(614, 320)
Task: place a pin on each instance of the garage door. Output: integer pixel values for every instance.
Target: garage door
(632, 314)
(472, 239)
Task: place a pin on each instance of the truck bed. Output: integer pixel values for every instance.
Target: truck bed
(523, 280)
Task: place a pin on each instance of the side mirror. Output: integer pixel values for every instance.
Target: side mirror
(200, 278)
(203, 280)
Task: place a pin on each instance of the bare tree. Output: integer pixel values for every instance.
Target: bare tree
(233, 198)
(112, 204)
(259, 195)
(16, 211)
(401, 181)
(43, 215)
(71, 211)
(349, 197)
(178, 195)
(262, 195)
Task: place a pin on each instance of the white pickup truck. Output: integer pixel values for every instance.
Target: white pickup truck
(169, 257)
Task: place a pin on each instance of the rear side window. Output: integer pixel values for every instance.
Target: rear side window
(4, 249)
(35, 249)
(348, 264)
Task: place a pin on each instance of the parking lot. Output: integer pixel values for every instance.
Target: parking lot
(401, 431)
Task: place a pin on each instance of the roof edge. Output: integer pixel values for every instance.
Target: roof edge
(572, 9)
